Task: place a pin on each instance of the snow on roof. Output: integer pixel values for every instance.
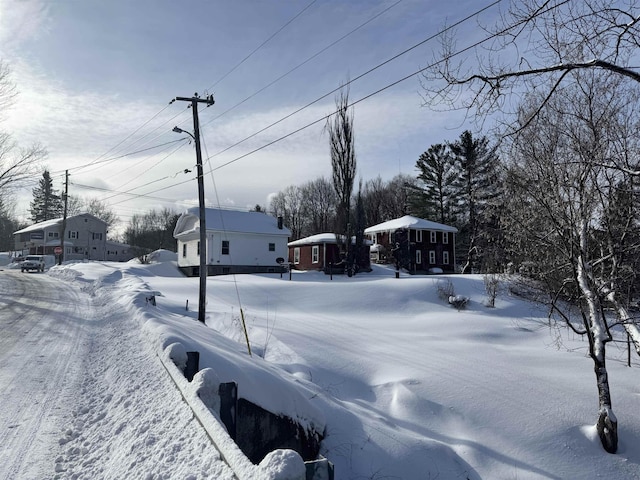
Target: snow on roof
(229, 221)
(411, 222)
(40, 226)
(53, 222)
(322, 238)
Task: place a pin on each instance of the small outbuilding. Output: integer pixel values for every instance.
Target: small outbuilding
(420, 246)
(322, 252)
(237, 242)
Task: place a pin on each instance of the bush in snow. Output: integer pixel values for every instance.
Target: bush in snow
(491, 286)
(458, 301)
(445, 290)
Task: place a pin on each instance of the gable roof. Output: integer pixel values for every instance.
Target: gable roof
(410, 222)
(229, 221)
(322, 238)
(53, 222)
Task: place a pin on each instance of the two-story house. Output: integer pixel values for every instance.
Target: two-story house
(84, 238)
(428, 246)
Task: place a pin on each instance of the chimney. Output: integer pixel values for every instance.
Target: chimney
(280, 223)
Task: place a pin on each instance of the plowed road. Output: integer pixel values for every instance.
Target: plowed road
(42, 340)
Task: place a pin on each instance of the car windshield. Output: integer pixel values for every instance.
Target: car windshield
(33, 258)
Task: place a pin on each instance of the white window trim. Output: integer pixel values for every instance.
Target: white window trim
(315, 254)
(296, 255)
(445, 238)
(432, 236)
(432, 257)
(445, 258)
(419, 236)
(418, 257)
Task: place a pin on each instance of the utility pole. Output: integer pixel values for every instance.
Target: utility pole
(202, 297)
(64, 216)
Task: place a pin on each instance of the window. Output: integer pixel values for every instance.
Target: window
(53, 234)
(69, 251)
(445, 258)
(198, 249)
(296, 255)
(374, 238)
(73, 234)
(272, 247)
(432, 257)
(418, 257)
(445, 237)
(433, 237)
(418, 235)
(315, 254)
(225, 247)
(97, 236)
(184, 250)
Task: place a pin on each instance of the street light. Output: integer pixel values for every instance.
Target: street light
(202, 297)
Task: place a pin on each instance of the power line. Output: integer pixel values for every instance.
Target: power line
(324, 118)
(303, 63)
(122, 141)
(262, 44)
(431, 37)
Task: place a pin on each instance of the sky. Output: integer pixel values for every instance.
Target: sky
(403, 385)
(96, 79)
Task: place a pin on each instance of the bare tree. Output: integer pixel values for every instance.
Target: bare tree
(561, 213)
(18, 166)
(343, 160)
(288, 205)
(319, 205)
(536, 45)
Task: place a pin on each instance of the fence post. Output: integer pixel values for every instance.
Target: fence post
(229, 406)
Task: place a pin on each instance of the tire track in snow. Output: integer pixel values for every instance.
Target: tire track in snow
(37, 371)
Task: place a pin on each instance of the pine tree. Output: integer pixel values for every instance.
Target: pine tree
(477, 188)
(434, 195)
(47, 203)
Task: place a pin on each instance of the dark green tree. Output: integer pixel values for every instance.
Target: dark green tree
(434, 195)
(47, 203)
(477, 189)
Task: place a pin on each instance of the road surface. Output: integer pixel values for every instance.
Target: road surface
(43, 336)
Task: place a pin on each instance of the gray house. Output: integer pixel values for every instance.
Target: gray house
(84, 238)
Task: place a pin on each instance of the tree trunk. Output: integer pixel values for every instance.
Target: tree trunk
(607, 425)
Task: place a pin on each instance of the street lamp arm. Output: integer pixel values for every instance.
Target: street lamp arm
(179, 130)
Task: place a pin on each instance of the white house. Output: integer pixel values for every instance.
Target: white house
(84, 238)
(237, 242)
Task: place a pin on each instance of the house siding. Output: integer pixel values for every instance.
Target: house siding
(248, 252)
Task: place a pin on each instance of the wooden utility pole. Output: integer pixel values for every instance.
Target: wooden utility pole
(202, 297)
(64, 216)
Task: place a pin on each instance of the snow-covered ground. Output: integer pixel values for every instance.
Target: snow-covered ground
(406, 386)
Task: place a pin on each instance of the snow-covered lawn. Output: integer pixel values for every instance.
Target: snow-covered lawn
(407, 386)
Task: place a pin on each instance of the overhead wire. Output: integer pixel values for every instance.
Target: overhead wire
(302, 64)
(262, 44)
(325, 117)
(122, 141)
(349, 82)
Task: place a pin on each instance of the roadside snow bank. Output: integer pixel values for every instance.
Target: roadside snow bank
(171, 335)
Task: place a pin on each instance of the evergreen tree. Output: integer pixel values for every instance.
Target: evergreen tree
(434, 194)
(47, 203)
(477, 188)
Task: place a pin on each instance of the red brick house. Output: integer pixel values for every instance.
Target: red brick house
(322, 252)
(424, 245)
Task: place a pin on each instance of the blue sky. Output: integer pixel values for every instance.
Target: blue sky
(96, 78)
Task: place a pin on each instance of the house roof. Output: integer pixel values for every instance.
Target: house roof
(410, 222)
(229, 221)
(40, 226)
(321, 238)
(53, 222)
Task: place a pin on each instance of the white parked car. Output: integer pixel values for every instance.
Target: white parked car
(33, 262)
